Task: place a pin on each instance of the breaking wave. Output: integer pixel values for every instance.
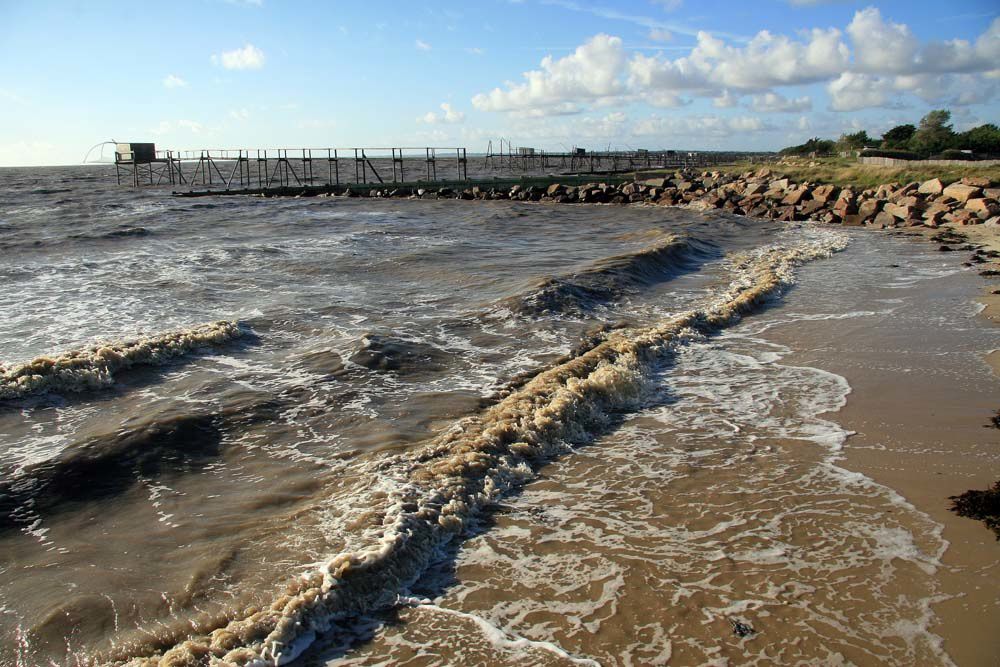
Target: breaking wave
(422, 499)
(611, 277)
(94, 367)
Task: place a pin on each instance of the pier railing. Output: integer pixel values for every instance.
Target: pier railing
(266, 168)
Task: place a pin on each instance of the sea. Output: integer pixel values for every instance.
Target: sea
(349, 431)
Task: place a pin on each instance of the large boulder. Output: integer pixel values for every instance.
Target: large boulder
(962, 192)
(977, 181)
(984, 208)
(824, 193)
(901, 211)
(883, 220)
(869, 207)
(931, 187)
(796, 196)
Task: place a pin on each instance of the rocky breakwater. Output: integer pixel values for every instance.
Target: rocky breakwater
(763, 194)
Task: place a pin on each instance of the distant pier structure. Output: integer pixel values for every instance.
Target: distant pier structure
(504, 157)
(262, 169)
(270, 170)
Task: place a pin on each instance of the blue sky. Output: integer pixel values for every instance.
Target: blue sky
(546, 73)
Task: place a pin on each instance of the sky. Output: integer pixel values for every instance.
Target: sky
(552, 74)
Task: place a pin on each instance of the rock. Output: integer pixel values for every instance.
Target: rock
(991, 193)
(779, 184)
(854, 220)
(824, 193)
(934, 218)
(700, 205)
(869, 208)
(962, 192)
(984, 208)
(901, 211)
(754, 189)
(962, 217)
(976, 181)
(912, 201)
(796, 196)
(884, 191)
(788, 214)
(810, 207)
(554, 189)
(994, 221)
(763, 172)
(884, 220)
(931, 187)
(684, 186)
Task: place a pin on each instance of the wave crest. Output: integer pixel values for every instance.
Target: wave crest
(434, 491)
(611, 277)
(94, 367)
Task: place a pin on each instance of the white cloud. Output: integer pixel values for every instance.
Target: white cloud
(248, 57)
(767, 60)
(448, 115)
(591, 72)
(884, 47)
(239, 114)
(668, 5)
(880, 46)
(884, 65)
(851, 91)
(660, 35)
(174, 81)
(770, 60)
(422, 45)
(775, 103)
(475, 51)
(726, 100)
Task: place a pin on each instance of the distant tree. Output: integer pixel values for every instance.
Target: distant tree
(898, 137)
(934, 133)
(814, 145)
(984, 139)
(855, 141)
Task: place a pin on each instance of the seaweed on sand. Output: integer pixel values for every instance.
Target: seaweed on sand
(980, 505)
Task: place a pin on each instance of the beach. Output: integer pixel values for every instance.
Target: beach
(416, 430)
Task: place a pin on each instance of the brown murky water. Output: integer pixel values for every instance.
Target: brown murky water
(368, 474)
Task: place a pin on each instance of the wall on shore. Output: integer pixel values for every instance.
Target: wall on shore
(895, 162)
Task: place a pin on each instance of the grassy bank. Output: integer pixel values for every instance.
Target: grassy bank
(845, 172)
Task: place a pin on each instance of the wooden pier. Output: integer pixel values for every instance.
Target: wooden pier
(266, 168)
(317, 170)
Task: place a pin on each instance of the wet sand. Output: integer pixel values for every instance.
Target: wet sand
(922, 429)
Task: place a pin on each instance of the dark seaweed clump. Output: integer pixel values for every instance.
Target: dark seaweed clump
(980, 505)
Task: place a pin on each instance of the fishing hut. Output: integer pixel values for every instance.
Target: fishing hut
(140, 163)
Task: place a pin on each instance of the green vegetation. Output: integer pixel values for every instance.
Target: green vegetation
(933, 137)
(814, 146)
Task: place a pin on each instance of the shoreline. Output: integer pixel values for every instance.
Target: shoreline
(959, 217)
